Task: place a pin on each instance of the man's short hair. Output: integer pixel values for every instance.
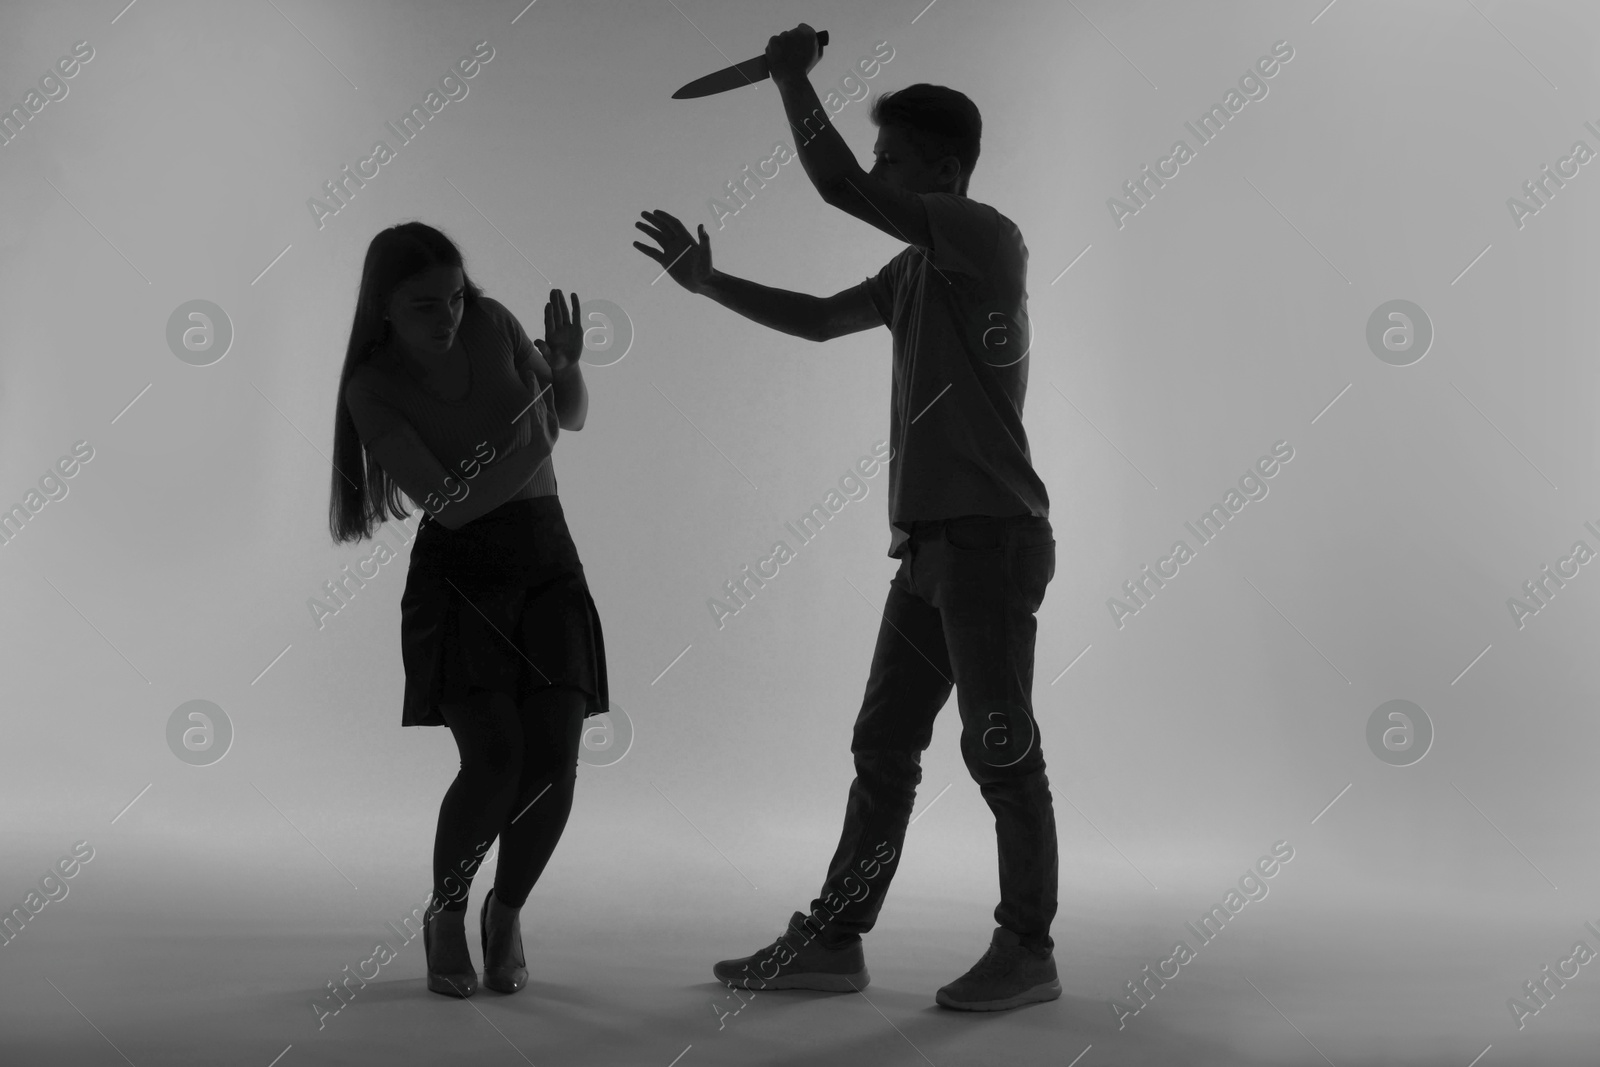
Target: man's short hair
(939, 121)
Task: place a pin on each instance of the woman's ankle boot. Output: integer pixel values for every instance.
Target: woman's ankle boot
(500, 928)
(444, 938)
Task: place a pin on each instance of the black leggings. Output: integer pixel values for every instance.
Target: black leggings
(518, 770)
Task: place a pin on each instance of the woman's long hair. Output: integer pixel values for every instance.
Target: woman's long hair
(363, 495)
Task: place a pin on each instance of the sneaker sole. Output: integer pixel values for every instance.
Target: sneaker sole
(1038, 994)
(821, 982)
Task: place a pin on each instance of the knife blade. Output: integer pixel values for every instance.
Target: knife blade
(747, 73)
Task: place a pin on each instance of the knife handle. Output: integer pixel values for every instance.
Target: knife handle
(822, 37)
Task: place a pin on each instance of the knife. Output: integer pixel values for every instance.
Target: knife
(747, 73)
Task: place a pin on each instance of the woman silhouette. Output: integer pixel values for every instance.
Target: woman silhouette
(501, 641)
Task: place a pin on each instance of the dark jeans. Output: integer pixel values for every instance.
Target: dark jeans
(960, 613)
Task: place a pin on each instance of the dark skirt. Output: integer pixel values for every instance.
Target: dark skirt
(500, 604)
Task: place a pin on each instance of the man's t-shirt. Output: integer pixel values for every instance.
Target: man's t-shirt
(506, 374)
(958, 312)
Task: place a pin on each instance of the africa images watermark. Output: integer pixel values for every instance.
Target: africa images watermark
(810, 927)
(456, 490)
(339, 996)
(52, 888)
(382, 553)
(738, 589)
(1539, 190)
(1252, 886)
(51, 487)
(1255, 488)
(338, 589)
(51, 89)
(1254, 87)
(739, 192)
(338, 189)
(1538, 590)
(1539, 992)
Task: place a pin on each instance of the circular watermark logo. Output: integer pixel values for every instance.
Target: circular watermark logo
(607, 334)
(199, 332)
(1399, 332)
(1399, 733)
(199, 732)
(1006, 734)
(607, 737)
(1005, 341)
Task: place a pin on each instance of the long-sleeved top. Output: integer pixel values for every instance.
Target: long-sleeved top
(446, 438)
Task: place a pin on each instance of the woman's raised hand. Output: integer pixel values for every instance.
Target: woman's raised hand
(689, 263)
(563, 333)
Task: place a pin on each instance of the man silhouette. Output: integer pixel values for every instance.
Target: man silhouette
(969, 522)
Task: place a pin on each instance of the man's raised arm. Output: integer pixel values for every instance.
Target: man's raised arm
(827, 160)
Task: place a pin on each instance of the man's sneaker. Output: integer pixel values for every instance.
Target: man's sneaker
(797, 960)
(1008, 976)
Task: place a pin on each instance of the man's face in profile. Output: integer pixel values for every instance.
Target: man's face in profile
(898, 164)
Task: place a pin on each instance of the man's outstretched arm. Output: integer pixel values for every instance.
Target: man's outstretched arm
(827, 160)
(812, 317)
(798, 314)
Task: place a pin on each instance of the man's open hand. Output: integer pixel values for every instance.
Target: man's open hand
(688, 263)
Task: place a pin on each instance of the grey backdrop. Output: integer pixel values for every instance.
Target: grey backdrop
(1172, 348)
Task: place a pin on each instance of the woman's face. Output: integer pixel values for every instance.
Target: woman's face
(425, 311)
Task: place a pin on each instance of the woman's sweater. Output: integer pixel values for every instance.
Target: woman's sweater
(507, 402)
